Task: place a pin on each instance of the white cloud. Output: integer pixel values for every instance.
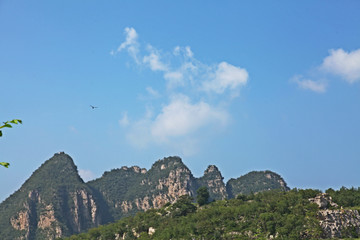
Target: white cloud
(189, 53)
(308, 84)
(178, 123)
(131, 38)
(86, 175)
(344, 64)
(226, 77)
(130, 44)
(124, 121)
(181, 123)
(154, 62)
(180, 118)
(153, 93)
(174, 79)
(176, 50)
(186, 51)
(181, 69)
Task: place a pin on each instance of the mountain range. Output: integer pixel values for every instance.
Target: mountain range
(55, 202)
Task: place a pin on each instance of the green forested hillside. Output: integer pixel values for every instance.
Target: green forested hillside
(284, 215)
(55, 201)
(48, 195)
(255, 181)
(128, 184)
(272, 214)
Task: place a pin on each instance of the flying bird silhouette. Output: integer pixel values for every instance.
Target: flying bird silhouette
(93, 107)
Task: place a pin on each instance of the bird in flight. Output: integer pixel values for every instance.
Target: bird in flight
(93, 107)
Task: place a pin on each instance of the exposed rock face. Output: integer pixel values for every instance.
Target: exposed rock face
(339, 223)
(139, 190)
(84, 211)
(61, 205)
(213, 180)
(336, 223)
(81, 217)
(323, 200)
(64, 205)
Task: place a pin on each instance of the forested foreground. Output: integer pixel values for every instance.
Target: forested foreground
(266, 215)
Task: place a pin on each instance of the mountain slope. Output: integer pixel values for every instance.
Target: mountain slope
(53, 202)
(256, 181)
(56, 202)
(213, 180)
(128, 190)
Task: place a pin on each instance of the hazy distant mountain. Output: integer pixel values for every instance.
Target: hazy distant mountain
(56, 202)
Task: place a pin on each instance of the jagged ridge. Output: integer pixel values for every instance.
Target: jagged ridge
(63, 204)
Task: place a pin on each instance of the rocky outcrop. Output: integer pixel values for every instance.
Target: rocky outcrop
(64, 205)
(39, 215)
(28, 219)
(339, 223)
(336, 222)
(52, 203)
(85, 210)
(213, 180)
(323, 200)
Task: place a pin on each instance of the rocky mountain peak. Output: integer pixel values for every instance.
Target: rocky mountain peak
(55, 202)
(135, 169)
(168, 162)
(255, 181)
(212, 169)
(59, 169)
(213, 180)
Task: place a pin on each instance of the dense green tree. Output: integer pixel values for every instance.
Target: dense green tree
(346, 197)
(183, 206)
(266, 215)
(203, 195)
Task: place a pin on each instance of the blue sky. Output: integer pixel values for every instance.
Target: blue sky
(244, 85)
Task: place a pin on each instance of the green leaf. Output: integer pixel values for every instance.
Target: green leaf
(16, 121)
(5, 164)
(0, 133)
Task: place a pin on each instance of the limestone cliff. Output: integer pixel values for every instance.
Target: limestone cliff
(53, 202)
(213, 180)
(335, 221)
(131, 189)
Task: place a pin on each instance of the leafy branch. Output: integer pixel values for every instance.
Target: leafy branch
(8, 125)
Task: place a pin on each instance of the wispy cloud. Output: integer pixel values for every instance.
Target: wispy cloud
(130, 44)
(153, 60)
(124, 121)
(308, 84)
(179, 123)
(226, 76)
(181, 117)
(343, 64)
(187, 110)
(339, 63)
(153, 93)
